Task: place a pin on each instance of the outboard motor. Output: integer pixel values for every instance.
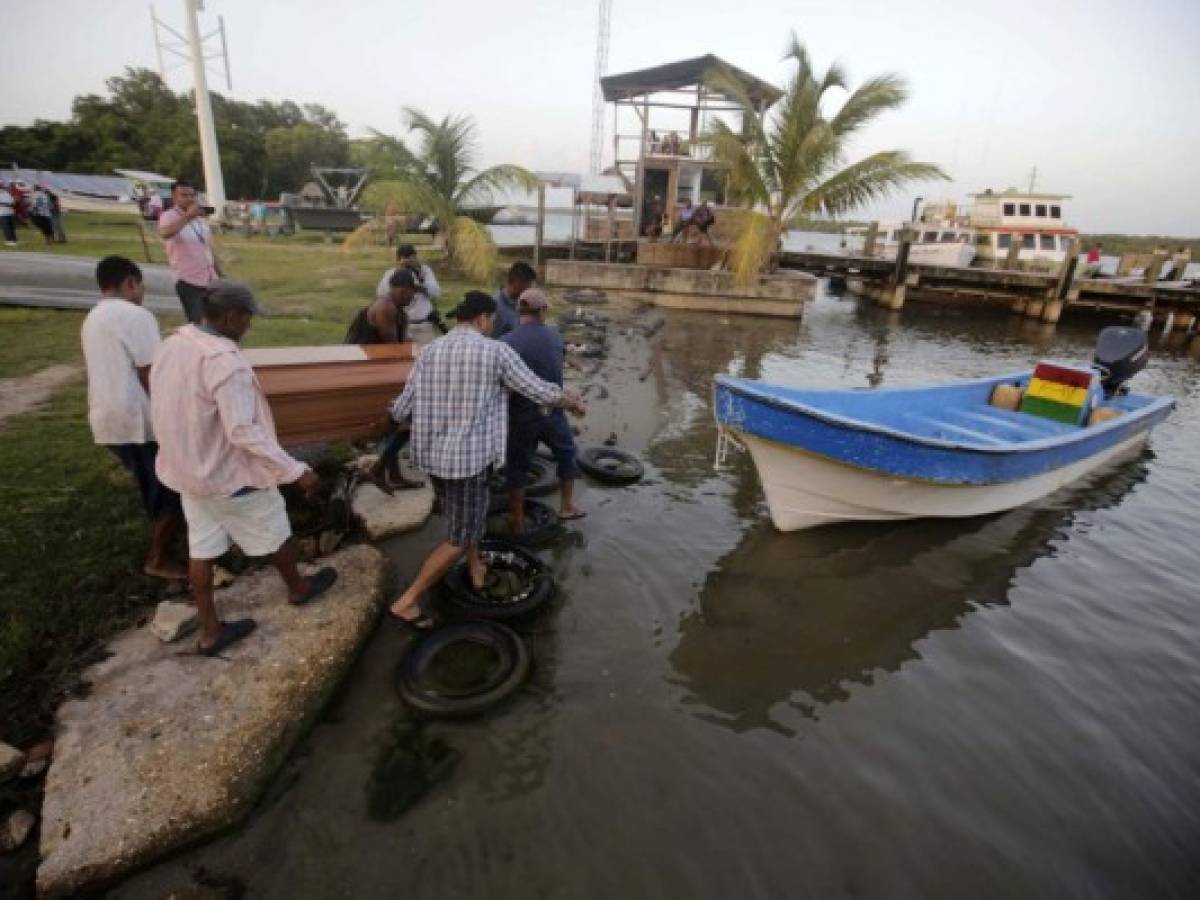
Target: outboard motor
(1121, 352)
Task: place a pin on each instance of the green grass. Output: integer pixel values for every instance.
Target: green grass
(73, 536)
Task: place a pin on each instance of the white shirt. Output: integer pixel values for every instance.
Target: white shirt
(421, 306)
(6, 203)
(118, 337)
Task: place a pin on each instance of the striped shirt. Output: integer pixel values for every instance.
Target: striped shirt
(214, 428)
(457, 397)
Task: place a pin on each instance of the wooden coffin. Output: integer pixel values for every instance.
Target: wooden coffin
(331, 393)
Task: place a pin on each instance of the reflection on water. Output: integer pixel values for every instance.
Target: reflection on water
(793, 617)
(996, 707)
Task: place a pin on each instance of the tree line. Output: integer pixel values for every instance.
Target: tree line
(266, 146)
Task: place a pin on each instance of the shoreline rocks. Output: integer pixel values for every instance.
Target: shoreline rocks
(170, 747)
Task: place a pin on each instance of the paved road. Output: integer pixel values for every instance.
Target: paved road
(69, 282)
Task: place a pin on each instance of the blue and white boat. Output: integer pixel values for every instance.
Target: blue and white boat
(828, 456)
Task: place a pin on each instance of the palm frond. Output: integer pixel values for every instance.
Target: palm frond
(479, 189)
(869, 179)
(747, 183)
(757, 240)
(868, 100)
(471, 249)
(407, 195)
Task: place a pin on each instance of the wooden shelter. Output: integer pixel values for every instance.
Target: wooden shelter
(670, 101)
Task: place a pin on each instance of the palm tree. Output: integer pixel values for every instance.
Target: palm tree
(788, 164)
(440, 180)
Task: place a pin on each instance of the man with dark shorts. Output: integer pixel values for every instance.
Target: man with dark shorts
(119, 341)
(190, 251)
(457, 400)
(541, 348)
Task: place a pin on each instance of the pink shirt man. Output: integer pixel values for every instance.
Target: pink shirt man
(215, 432)
(189, 250)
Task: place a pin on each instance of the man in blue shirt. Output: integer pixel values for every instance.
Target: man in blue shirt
(541, 349)
(521, 278)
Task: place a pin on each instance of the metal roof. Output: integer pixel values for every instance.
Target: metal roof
(685, 73)
(107, 186)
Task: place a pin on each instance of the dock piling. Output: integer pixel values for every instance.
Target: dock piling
(893, 294)
(869, 240)
(1012, 260)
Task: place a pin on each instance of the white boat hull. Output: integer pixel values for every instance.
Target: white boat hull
(805, 491)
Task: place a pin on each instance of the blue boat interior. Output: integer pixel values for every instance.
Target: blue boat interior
(959, 413)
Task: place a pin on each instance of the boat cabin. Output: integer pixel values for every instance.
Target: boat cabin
(1034, 219)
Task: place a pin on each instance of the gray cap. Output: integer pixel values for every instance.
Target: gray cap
(224, 295)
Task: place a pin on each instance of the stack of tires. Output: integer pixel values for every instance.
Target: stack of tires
(518, 587)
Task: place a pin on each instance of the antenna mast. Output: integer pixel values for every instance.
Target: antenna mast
(189, 49)
(597, 95)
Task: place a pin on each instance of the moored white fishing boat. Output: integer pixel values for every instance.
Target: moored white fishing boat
(827, 456)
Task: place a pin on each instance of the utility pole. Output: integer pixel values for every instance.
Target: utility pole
(602, 31)
(190, 49)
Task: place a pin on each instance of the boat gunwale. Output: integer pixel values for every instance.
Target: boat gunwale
(746, 388)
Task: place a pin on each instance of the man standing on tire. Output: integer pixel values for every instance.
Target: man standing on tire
(457, 399)
(541, 348)
(190, 252)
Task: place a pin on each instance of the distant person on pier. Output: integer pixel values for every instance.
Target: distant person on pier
(190, 252)
(703, 220)
(384, 321)
(521, 277)
(119, 339)
(8, 215)
(457, 400)
(218, 449)
(653, 226)
(541, 348)
(683, 222)
(1092, 263)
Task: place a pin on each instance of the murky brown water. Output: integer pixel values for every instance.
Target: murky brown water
(999, 707)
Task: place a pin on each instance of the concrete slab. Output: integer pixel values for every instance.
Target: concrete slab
(170, 747)
(783, 294)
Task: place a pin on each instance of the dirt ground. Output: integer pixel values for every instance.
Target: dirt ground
(19, 395)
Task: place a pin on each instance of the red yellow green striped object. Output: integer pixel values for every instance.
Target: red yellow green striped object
(1058, 392)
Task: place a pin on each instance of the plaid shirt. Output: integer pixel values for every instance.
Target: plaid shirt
(457, 396)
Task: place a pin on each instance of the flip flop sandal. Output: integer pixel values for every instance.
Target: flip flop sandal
(318, 584)
(422, 623)
(572, 517)
(230, 634)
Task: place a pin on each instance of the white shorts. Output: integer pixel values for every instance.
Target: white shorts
(257, 522)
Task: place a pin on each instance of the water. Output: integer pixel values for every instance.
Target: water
(999, 707)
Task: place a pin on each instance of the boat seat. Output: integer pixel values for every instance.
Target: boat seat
(931, 426)
(1021, 426)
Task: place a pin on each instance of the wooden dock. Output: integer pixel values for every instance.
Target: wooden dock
(1044, 296)
(1039, 295)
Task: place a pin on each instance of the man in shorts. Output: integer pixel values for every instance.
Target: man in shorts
(541, 348)
(218, 449)
(119, 340)
(457, 400)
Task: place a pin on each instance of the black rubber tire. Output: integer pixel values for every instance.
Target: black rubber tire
(432, 702)
(542, 527)
(608, 465)
(461, 601)
(543, 480)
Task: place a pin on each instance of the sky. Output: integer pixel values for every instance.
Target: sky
(1101, 97)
